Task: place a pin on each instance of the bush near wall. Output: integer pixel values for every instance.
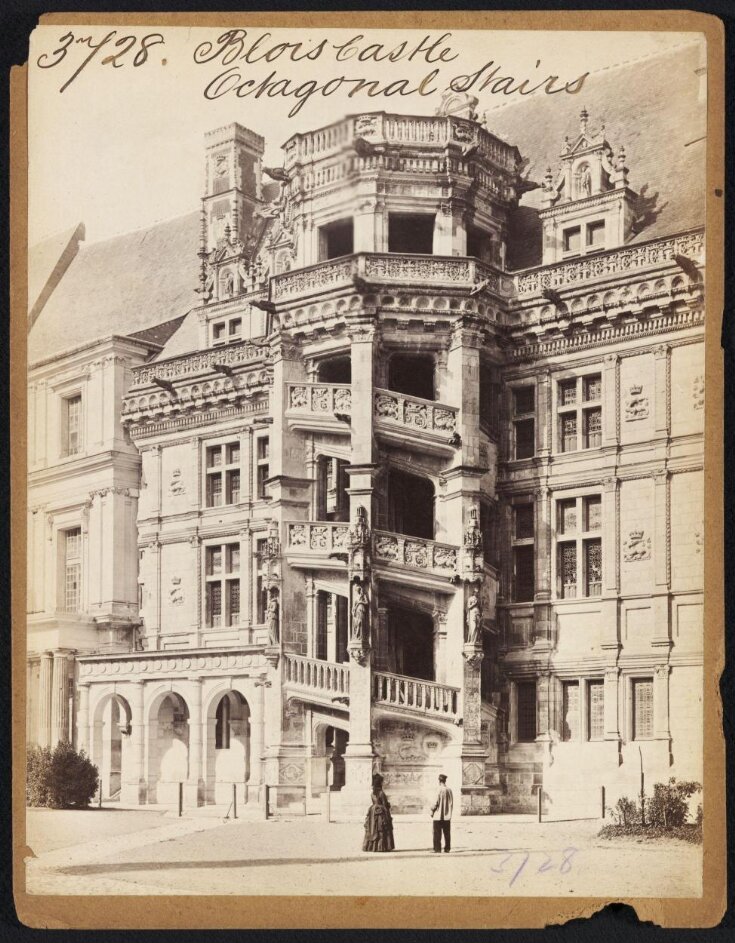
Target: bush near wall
(665, 814)
(60, 779)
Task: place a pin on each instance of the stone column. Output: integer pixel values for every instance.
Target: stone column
(59, 699)
(194, 787)
(257, 721)
(611, 405)
(661, 561)
(543, 414)
(83, 717)
(542, 541)
(611, 714)
(661, 395)
(133, 789)
(661, 727)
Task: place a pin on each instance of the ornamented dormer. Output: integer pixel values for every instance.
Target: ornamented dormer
(229, 221)
(589, 206)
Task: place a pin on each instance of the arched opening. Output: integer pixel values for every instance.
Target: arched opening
(228, 748)
(168, 748)
(335, 370)
(328, 762)
(410, 505)
(411, 643)
(412, 374)
(333, 501)
(111, 743)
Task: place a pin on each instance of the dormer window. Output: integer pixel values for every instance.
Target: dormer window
(579, 240)
(226, 332)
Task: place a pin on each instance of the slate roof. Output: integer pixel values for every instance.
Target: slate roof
(652, 108)
(121, 285)
(47, 264)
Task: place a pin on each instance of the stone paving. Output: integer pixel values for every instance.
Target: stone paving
(149, 852)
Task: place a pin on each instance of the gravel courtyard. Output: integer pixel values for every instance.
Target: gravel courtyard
(151, 852)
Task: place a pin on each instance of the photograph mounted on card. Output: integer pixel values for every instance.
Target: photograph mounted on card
(373, 509)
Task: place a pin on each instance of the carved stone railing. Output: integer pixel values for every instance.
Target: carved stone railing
(231, 355)
(326, 677)
(319, 399)
(387, 268)
(426, 555)
(414, 413)
(616, 261)
(432, 131)
(318, 538)
(420, 697)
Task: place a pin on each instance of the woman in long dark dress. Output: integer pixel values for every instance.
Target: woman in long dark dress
(378, 821)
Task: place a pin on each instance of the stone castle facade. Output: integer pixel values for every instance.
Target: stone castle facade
(379, 501)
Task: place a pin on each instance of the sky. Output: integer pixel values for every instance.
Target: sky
(122, 146)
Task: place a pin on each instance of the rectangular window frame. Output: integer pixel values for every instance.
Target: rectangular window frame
(523, 419)
(71, 570)
(522, 547)
(637, 734)
(218, 583)
(574, 531)
(262, 466)
(220, 477)
(68, 448)
(526, 705)
(574, 411)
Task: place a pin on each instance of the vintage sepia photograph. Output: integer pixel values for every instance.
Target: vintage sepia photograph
(366, 463)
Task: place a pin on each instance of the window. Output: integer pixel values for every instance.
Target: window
(642, 697)
(579, 409)
(524, 561)
(595, 710)
(71, 433)
(596, 235)
(479, 244)
(526, 707)
(593, 235)
(223, 474)
(579, 549)
(222, 577)
(489, 399)
(572, 240)
(570, 710)
(411, 233)
(222, 725)
(72, 549)
(524, 422)
(262, 466)
(336, 239)
(226, 332)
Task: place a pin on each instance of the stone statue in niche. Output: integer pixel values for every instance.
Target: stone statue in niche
(636, 404)
(360, 604)
(636, 547)
(474, 621)
(360, 531)
(272, 613)
(177, 485)
(584, 181)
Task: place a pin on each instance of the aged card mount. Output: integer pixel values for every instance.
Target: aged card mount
(374, 409)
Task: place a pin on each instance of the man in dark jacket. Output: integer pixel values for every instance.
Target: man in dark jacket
(441, 813)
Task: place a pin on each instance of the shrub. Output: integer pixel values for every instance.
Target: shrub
(669, 806)
(38, 767)
(626, 812)
(61, 779)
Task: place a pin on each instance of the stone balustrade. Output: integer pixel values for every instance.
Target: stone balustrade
(320, 399)
(175, 368)
(415, 413)
(325, 677)
(317, 537)
(604, 264)
(412, 694)
(387, 268)
(426, 555)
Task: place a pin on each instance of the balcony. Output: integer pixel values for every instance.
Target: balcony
(321, 407)
(415, 554)
(416, 696)
(385, 269)
(432, 425)
(317, 543)
(324, 682)
(614, 262)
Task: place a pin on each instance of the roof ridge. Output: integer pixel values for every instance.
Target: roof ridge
(131, 232)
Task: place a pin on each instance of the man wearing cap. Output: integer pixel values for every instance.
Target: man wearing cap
(441, 813)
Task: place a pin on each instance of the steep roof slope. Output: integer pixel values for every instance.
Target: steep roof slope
(121, 285)
(48, 260)
(651, 107)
